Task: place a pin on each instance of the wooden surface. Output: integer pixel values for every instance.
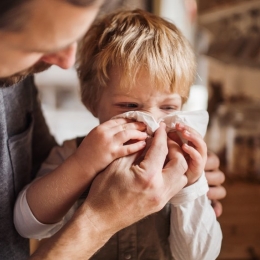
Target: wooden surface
(240, 222)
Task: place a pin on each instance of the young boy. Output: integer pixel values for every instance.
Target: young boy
(137, 63)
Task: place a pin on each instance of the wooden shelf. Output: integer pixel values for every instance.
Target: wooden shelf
(240, 222)
(225, 11)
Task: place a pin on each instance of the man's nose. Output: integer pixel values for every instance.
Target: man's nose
(64, 58)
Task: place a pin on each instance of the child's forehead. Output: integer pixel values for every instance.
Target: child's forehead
(146, 92)
(129, 82)
(128, 79)
(134, 85)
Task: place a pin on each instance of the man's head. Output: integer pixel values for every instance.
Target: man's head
(42, 32)
(134, 41)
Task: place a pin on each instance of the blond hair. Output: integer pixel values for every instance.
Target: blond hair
(133, 40)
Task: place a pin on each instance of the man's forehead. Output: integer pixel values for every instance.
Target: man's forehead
(54, 30)
(13, 13)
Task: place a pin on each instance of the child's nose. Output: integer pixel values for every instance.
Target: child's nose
(64, 58)
(155, 113)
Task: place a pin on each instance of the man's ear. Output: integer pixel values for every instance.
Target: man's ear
(94, 110)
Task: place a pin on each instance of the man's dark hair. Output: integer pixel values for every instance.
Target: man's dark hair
(14, 13)
(82, 3)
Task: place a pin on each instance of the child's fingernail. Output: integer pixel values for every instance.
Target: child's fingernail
(187, 133)
(185, 145)
(179, 125)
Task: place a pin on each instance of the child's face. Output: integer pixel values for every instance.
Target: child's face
(142, 96)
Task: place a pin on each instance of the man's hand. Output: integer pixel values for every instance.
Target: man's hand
(215, 178)
(119, 196)
(125, 193)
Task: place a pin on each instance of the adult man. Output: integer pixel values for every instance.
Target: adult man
(34, 34)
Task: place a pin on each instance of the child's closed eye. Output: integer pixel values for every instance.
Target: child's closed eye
(169, 108)
(127, 105)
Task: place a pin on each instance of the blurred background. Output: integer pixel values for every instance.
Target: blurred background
(225, 35)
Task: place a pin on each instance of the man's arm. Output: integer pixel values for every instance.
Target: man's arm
(121, 195)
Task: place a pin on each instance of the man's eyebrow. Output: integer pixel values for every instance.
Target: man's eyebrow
(50, 50)
(53, 50)
(85, 3)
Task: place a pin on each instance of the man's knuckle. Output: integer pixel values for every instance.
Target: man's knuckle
(114, 151)
(162, 149)
(183, 164)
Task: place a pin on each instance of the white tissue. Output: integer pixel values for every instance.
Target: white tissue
(198, 120)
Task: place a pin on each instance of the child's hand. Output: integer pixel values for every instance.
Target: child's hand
(110, 141)
(195, 151)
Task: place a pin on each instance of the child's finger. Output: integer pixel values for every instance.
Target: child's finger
(127, 135)
(196, 141)
(181, 127)
(132, 148)
(131, 126)
(121, 124)
(193, 154)
(194, 162)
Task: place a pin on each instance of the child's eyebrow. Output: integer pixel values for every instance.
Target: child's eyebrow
(128, 95)
(173, 98)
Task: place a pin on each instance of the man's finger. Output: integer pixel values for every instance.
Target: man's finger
(156, 154)
(216, 193)
(217, 206)
(175, 168)
(212, 162)
(216, 177)
(176, 158)
(124, 163)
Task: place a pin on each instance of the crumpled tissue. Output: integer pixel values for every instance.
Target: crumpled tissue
(198, 120)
